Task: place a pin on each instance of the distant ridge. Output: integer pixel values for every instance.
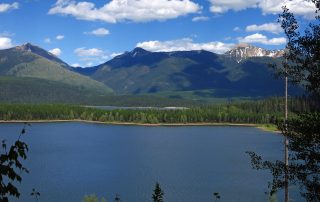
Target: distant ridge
(241, 72)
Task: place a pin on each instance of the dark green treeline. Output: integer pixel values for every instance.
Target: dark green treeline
(255, 112)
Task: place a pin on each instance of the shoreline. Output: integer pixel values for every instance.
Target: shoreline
(260, 126)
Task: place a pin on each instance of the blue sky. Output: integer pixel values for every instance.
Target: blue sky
(90, 32)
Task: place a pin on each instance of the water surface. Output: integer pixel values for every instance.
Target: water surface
(68, 160)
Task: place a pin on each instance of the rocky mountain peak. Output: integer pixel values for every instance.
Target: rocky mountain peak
(27, 47)
(30, 48)
(138, 52)
(243, 51)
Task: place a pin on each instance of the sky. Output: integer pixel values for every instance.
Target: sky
(90, 32)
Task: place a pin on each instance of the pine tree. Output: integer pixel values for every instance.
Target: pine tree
(157, 195)
(302, 131)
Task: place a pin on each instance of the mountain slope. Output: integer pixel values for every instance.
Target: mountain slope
(234, 73)
(241, 72)
(33, 62)
(141, 71)
(35, 90)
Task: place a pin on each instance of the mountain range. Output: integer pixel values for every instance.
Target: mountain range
(241, 72)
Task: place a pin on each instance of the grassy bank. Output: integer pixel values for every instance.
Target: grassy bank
(266, 127)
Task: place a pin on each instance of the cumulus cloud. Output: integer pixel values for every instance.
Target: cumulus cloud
(89, 64)
(47, 40)
(59, 37)
(268, 27)
(83, 52)
(236, 29)
(112, 55)
(122, 10)
(91, 56)
(6, 34)
(5, 43)
(299, 7)
(4, 7)
(99, 32)
(200, 18)
(76, 65)
(221, 6)
(184, 44)
(56, 51)
(262, 39)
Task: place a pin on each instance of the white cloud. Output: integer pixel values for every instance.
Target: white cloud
(6, 34)
(76, 65)
(5, 43)
(59, 37)
(236, 29)
(56, 51)
(89, 64)
(112, 55)
(4, 7)
(47, 40)
(262, 39)
(99, 32)
(184, 44)
(267, 27)
(200, 18)
(83, 52)
(221, 6)
(122, 10)
(91, 56)
(299, 7)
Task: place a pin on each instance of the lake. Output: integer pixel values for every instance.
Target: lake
(69, 160)
(137, 108)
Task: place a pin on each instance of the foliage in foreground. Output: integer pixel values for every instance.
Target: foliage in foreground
(302, 131)
(304, 165)
(157, 195)
(11, 167)
(93, 198)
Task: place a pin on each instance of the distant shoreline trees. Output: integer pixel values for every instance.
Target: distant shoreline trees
(251, 112)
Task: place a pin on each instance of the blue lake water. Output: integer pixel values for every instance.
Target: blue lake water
(69, 160)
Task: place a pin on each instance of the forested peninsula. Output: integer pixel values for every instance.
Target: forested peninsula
(258, 112)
